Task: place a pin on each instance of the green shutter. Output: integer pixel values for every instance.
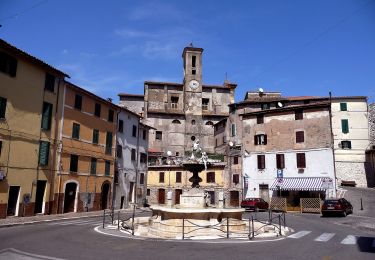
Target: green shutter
(3, 106)
(107, 167)
(108, 143)
(345, 126)
(343, 107)
(93, 166)
(75, 133)
(43, 153)
(95, 136)
(233, 130)
(46, 116)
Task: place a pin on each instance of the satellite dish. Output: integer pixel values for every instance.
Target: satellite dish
(230, 143)
(169, 153)
(279, 104)
(260, 90)
(246, 154)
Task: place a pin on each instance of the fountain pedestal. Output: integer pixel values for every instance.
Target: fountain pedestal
(193, 198)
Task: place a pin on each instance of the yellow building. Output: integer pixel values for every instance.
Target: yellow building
(29, 97)
(162, 178)
(86, 155)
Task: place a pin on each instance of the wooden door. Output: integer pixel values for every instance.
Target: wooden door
(161, 196)
(177, 193)
(234, 198)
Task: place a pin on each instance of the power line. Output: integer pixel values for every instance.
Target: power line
(16, 15)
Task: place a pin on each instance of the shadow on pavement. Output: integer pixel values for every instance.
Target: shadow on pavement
(366, 244)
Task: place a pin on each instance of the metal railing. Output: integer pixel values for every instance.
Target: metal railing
(280, 222)
(200, 227)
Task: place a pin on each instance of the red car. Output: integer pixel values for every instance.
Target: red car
(254, 204)
(337, 206)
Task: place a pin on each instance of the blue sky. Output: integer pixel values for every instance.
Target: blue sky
(296, 47)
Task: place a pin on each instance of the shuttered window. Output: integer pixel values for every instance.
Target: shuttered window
(235, 160)
(260, 119)
(121, 126)
(107, 168)
(46, 116)
(210, 177)
(8, 64)
(280, 161)
(346, 144)
(3, 106)
(234, 130)
(178, 177)
(345, 126)
(161, 177)
(298, 114)
(142, 178)
(78, 102)
(260, 139)
(93, 166)
(343, 107)
(261, 161)
(76, 130)
(236, 178)
(108, 143)
(300, 136)
(97, 109)
(43, 153)
(301, 160)
(110, 115)
(73, 163)
(134, 132)
(95, 136)
(49, 83)
(119, 151)
(133, 155)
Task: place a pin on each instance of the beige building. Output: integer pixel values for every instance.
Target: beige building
(29, 98)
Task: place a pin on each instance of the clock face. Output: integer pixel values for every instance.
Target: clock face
(193, 84)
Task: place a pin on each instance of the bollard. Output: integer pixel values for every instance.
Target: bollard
(280, 225)
(227, 227)
(103, 218)
(249, 229)
(118, 220)
(133, 220)
(252, 226)
(183, 229)
(361, 204)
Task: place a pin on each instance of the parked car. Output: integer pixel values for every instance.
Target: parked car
(337, 206)
(254, 204)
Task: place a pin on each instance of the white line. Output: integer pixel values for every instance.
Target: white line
(349, 240)
(70, 222)
(324, 237)
(300, 234)
(90, 223)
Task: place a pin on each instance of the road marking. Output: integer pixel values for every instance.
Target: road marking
(300, 234)
(90, 223)
(71, 222)
(324, 237)
(349, 240)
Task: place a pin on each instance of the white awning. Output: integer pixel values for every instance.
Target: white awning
(300, 183)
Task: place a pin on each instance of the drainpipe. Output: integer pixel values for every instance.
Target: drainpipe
(332, 141)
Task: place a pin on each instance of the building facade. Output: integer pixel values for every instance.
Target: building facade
(86, 154)
(29, 97)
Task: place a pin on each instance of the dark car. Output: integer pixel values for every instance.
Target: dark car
(337, 206)
(254, 204)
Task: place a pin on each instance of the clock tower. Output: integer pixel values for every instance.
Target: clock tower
(192, 60)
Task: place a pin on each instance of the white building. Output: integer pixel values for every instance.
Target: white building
(131, 153)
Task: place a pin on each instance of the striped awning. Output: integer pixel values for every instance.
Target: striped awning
(300, 183)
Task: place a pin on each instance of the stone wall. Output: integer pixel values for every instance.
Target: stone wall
(351, 171)
(371, 121)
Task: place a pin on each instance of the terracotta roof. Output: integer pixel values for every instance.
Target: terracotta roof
(229, 86)
(7, 46)
(130, 95)
(154, 150)
(290, 108)
(147, 126)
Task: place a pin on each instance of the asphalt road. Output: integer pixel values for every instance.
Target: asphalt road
(314, 238)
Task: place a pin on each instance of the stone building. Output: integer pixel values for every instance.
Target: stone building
(29, 96)
(371, 122)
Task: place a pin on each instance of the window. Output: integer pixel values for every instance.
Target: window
(177, 154)
(8, 64)
(176, 121)
(210, 177)
(75, 132)
(301, 160)
(210, 123)
(78, 102)
(108, 143)
(142, 178)
(121, 126)
(43, 153)
(133, 155)
(343, 107)
(115, 177)
(159, 135)
(119, 151)
(193, 61)
(260, 119)
(306, 102)
(298, 114)
(148, 192)
(260, 139)
(144, 134)
(235, 160)
(300, 136)
(46, 116)
(174, 102)
(98, 109)
(280, 161)
(236, 178)
(107, 169)
(205, 102)
(193, 122)
(95, 136)
(178, 177)
(193, 72)
(93, 166)
(346, 144)
(143, 158)
(161, 177)
(110, 115)
(265, 106)
(345, 126)
(261, 161)
(73, 163)
(3, 106)
(215, 141)
(134, 132)
(49, 83)
(233, 130)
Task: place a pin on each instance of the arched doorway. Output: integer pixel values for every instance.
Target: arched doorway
(105, 195)
(70, 197)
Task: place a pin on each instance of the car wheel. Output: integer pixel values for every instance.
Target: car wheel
(256, 209)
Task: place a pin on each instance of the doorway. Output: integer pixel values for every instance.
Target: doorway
(131, 190)
(212, 197)
(177, 195)
(122, 202)
(13, 200)
(70, 197)
(39, 197)
(105, 195)
(234, 198)
(161, 196)
(264, 192)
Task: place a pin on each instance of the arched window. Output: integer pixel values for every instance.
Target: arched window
(209, 123)
(193, 122)
(175, 121)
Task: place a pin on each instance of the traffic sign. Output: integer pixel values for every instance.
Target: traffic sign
(280, 173)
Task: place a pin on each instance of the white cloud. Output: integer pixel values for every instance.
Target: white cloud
(156, 10)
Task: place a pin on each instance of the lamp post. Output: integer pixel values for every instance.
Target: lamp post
(169, 194)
